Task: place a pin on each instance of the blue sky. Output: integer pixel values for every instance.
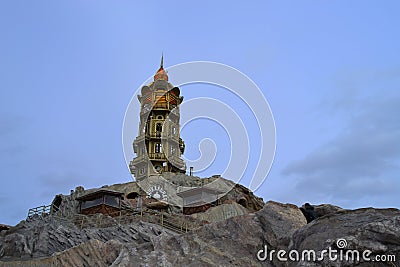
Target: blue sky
(329, 70)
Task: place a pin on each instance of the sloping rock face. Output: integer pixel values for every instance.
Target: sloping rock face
(245, 197)
(42, 237)
(91, 253)
(221, 212)
(235, 241)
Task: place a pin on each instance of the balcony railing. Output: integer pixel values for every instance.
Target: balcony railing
(158, 135)
(160, 106)
(157, 156)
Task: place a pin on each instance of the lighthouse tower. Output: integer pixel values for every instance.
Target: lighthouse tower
(158, 146)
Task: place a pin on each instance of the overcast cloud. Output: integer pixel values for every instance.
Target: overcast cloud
(360, 162)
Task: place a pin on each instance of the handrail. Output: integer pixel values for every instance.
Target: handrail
(41, 210)
(177, 223)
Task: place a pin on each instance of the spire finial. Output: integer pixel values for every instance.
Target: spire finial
(161, 74)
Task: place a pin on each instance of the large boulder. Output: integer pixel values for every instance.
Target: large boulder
(279, 222)
(377, 230)
(325, 209)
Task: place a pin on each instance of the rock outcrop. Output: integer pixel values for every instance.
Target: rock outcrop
(325, 209)
(231, 241)
(42, 237)
(221, 212)
(4, 227)
(91, 253)
(377, 230)
(234, 240)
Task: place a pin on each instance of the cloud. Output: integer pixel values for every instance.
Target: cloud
(362, 161)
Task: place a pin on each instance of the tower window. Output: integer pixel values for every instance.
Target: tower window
(173, 130)
(159, 117)
(173, 149)
(159, 127)
(158, 148)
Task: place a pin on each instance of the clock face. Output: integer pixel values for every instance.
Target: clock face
(157, 192)
(157, 195)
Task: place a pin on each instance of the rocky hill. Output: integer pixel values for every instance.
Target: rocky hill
(247, 228)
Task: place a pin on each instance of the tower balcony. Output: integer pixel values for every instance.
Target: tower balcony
(158, 135)
(157, 156)
(165, 136)
(158, 106)
(140, 138)
(177, 162)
